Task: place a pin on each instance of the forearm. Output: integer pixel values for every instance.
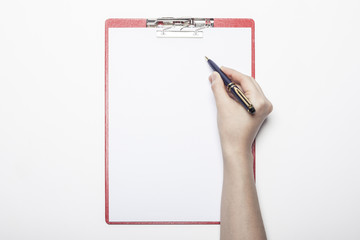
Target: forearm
(240, 212)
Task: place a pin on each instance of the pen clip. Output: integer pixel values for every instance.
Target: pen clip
(236, 90)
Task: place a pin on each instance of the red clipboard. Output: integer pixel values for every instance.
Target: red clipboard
(142, 23)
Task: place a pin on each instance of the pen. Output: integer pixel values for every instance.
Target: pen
(235, 90)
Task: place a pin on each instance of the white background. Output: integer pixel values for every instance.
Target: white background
(52, 117)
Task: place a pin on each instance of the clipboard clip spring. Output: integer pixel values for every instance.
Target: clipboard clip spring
(180, 27)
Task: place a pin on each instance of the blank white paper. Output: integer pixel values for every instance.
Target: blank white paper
(165, 161)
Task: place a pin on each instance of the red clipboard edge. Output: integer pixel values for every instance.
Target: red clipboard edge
(242, 22)
(141, 23)
(113, 23)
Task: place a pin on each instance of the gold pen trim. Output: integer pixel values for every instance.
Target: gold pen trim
(240, 94)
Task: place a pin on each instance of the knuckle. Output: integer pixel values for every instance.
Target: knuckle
(264, 106)
(270, 107)
(261, 104)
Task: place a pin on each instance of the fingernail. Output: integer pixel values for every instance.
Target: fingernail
(213, 77)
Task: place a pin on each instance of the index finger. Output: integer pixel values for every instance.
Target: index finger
(246, 82)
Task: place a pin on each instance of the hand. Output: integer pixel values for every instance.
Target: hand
(237, 127)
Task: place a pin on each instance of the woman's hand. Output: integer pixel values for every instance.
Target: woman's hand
(237, 127)
(240, 211)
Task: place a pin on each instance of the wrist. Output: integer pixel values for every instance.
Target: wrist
(236, 145)
(238, 156)
(235, 151)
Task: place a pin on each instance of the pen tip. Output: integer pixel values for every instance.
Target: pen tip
(206, 58)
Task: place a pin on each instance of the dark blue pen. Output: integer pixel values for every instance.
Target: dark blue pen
(235, 90)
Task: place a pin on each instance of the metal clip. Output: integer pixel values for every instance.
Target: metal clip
(180, 27)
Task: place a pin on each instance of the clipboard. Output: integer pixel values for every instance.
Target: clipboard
(163, 162)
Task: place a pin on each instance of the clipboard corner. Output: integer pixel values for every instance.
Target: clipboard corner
(125, 23)
(234, 22)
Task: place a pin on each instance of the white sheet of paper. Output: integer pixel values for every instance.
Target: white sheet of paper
(165, 161)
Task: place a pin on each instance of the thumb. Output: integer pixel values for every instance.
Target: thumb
(218, 88)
